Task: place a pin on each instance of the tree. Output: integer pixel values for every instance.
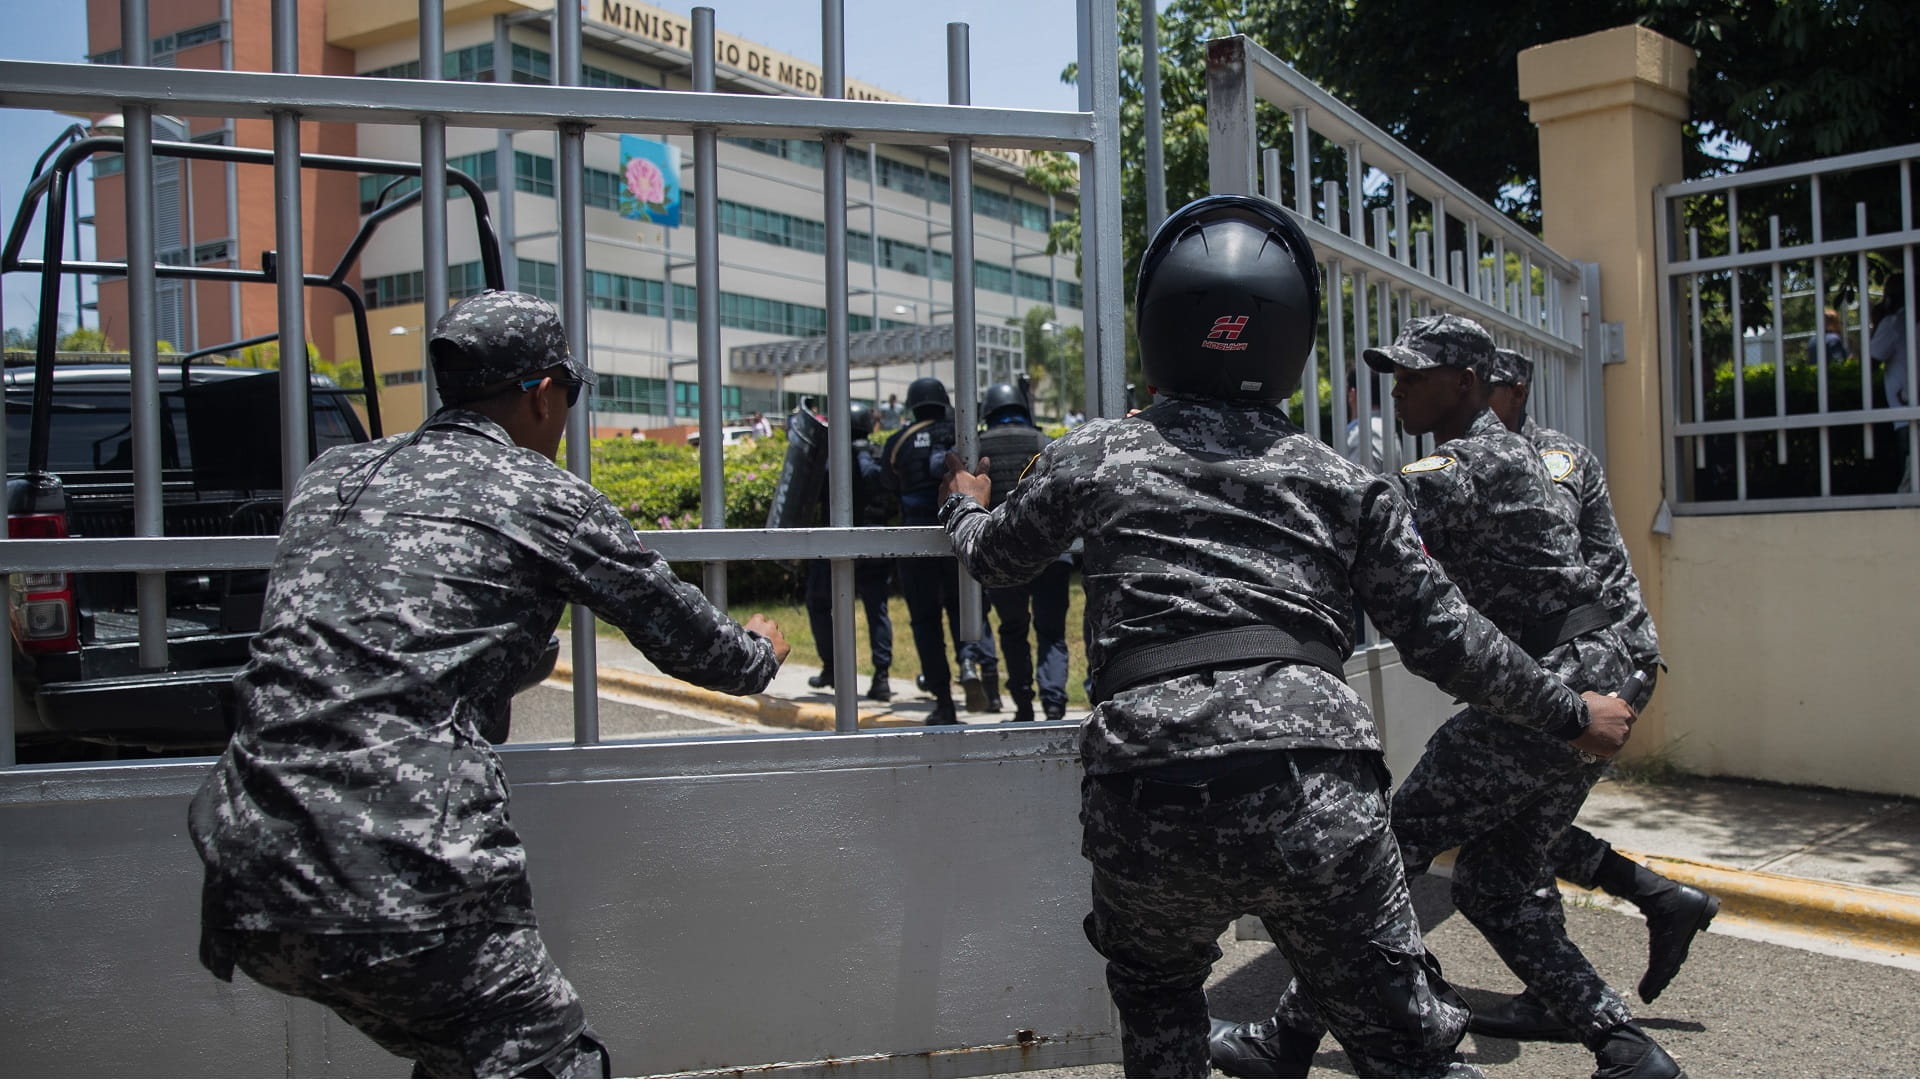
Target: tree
(1777, 82)
(344, 373)
(1053, 355)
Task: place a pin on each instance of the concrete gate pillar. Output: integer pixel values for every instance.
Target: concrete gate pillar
(1610, 107)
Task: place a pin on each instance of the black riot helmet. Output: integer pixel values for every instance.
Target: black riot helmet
(1228, 301)
(927, 398)
(1004, 399)
(860, 420)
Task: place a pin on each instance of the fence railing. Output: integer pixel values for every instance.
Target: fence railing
(1399, 239)
(287, 97)
(1783, 330)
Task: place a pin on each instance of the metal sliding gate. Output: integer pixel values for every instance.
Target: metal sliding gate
(855, 903)
(1427, 246)
(844, 903)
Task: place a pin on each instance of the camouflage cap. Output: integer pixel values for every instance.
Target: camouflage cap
(495, 337)
(1436, 341)
(1510, 369)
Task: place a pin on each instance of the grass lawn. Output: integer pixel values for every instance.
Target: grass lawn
(906, 662)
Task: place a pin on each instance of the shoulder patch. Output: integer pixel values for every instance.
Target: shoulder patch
(1430, 463)
(1559, 464)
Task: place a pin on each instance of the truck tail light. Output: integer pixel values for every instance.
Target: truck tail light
(40, 605)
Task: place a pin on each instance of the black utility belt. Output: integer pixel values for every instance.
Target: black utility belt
(1241, 774)
(1213, 650)
(1563, 626)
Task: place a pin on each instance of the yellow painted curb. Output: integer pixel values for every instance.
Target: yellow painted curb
(1858, 914)
(753, 708)
(1854, 914)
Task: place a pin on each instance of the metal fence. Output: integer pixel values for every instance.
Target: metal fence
(1777, 283)
(286, 98)
(1399, 239)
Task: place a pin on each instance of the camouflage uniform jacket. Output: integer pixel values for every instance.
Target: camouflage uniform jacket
(416, 582)
(1204, 516)
(1579, 479)
(1487, 511)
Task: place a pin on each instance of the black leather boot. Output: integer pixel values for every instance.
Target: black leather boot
(1675, 913)
(822, 681)
(1022, 708)
(1521, 1017)
(1056, 712)
(1260, 1048)
(1627, 1051)
(880, 689)
(943, 713)
(990, 684)
(972, 686)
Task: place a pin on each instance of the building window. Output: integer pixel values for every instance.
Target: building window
(532, 173)
(218, 251)
(542, 279)
(478, 166)
(603, 189)
(530, 65)
(1069, 295)
(686, 400)
(402, 378)
(994, 278)
(631, 394)
(1033, 286)
(392, 290)
(773, 227)
(595, 76)
(199, 35)
(1030, 216)
(618, 292)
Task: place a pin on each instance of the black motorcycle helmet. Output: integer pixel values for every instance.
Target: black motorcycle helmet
(1228, 301)
(1004, 398)
(927, 398)
(860, 419)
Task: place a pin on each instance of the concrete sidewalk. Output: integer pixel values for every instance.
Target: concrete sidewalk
(1833, 868)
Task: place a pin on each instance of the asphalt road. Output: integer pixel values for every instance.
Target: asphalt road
(1739, 1007)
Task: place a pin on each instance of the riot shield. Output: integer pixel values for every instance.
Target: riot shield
(796, 498)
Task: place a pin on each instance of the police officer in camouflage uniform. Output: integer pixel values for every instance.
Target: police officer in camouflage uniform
(871, 506)
(1501, 792)
(1009, 442)
(914, 459)
(1674, 912)
(355, 833)
(1229, 766)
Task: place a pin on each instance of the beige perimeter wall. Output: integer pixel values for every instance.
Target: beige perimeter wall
(1794, 643)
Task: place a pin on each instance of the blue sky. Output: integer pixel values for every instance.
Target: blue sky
(1018, 50)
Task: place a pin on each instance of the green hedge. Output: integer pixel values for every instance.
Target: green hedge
(1799, 475)
(657, 486)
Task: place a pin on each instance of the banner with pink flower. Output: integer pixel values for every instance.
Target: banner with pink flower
(651, 172)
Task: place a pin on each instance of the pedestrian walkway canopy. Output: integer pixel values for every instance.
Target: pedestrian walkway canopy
(998, 350)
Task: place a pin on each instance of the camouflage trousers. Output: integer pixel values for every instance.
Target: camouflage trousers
(481, 1000)
(1577, 855)
(1503, 795)
(1310, 852)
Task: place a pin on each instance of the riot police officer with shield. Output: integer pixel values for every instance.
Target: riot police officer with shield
(871, 506)
(913, 461)
(1009, 443)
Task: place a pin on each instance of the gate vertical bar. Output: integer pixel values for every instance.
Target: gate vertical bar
(142, 298)
(1302, 163)
(1100, 190)
(291, 260)
(1337, 355)
(1150, 85)
(503, 189)
(706, 283)
(966, 390)
(1230, 128)
(833, 78)
(433, 196)
(573, 309)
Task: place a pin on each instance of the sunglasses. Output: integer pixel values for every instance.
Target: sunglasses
(573, 386)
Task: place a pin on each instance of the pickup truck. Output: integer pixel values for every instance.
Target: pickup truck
(75, 636)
